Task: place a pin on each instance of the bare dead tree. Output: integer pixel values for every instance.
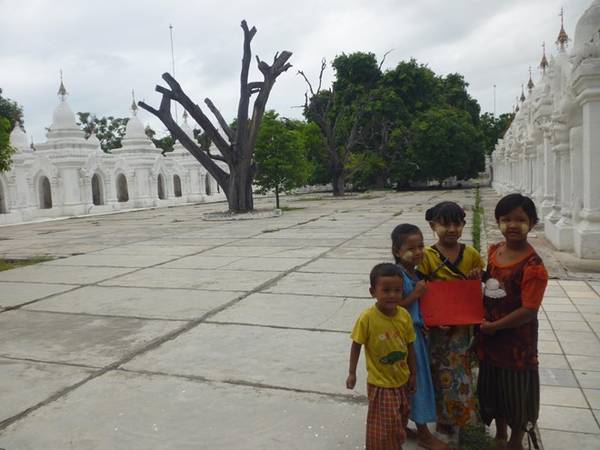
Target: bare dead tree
(320, 110)
(236, 146)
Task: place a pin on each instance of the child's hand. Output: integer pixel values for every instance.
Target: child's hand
(351, 381)
(475, 274)
(412, 384)
(420, 288)
(487, 327)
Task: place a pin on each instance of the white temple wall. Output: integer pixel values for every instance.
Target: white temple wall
(551, 150)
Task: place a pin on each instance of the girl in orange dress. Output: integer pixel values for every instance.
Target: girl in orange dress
(508, 384)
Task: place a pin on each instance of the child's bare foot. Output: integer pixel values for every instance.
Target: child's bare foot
(443, 428)
(410, 433)
(432, 443)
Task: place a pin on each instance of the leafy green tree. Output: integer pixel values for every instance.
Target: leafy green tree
(280, 156)
(6, 151)
(165, 143)
(445, 143)
(109, 130)
(11, 110)
(11, 115)
(338, 111)
(494, 128)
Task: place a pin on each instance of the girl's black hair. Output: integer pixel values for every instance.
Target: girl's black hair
(513, 201)
(400, 233)
(445, 213)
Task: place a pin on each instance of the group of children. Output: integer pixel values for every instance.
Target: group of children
(426, 374)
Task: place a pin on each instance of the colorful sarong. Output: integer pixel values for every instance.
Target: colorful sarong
(387, 418)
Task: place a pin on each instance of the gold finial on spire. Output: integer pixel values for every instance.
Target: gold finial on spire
(62, 92)
(134, 107)
(544, 63)
(563, 38)
(530, 84)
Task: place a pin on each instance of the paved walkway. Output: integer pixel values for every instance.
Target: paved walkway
(165, 331)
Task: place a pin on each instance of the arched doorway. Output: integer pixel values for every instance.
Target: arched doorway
(97, 190)
(3, 200)
(207, 185)
(177, 185)
(161, 187)
(45, 193)
(122, 191)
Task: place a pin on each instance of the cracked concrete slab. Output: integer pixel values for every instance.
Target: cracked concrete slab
(26, 383)
(194, 279)
(174, 304)
(158, 412)
(339, 284)
(297, 311)
(294, 359)
(75, 339)
(15, 293)
(42, 273)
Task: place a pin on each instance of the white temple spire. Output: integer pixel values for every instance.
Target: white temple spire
(62, 91)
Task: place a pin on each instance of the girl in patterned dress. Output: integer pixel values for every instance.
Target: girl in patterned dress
(508, 386)
(408, 250)
(451, 361)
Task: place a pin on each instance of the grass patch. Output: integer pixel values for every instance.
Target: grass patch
(7, 264)
(273, 230)
(477, 219)
(474, 437)
(291, 208)
(399, 213)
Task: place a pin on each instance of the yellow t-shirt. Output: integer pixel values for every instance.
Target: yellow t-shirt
(386, 342)
(471, 259)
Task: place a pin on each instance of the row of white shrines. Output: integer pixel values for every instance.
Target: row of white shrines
(551, 151)
(69, 175)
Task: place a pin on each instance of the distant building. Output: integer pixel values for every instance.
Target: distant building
(69, 175)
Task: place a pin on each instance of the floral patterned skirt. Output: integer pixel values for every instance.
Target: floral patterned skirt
(451, 368)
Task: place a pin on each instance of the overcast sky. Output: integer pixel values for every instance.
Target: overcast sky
(105, 49)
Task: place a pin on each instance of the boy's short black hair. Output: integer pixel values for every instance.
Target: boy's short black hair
(513, 201)
(400, 233)
(384, 270)
(445, 213)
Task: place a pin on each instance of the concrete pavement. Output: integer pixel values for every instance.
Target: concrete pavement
(158, 330)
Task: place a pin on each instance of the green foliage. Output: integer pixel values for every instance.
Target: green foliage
(166, 143)
(11, 115)
(11, 110)
(280, 156)
(414, 126)
(7, 264)
(494, 128)
(109, 130)
(6, 151)
(474, 437)
(445, 143)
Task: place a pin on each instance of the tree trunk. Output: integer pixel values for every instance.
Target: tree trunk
(239, 191)
(277, 197)
(339, 184)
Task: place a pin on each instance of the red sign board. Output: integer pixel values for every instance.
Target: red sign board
(456, 302)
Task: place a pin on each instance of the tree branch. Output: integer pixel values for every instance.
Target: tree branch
(310, 88)
(177, 94)
(384, 56)
(220, 119)
(164, 114)
(242, 116)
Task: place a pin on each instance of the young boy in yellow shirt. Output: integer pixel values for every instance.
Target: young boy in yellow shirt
(386, 330)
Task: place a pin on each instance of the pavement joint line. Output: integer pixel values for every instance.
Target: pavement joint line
(20, 305)
(55, 363)
(108, 316)
(155, 343)
(277, 327)
(347, 398)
